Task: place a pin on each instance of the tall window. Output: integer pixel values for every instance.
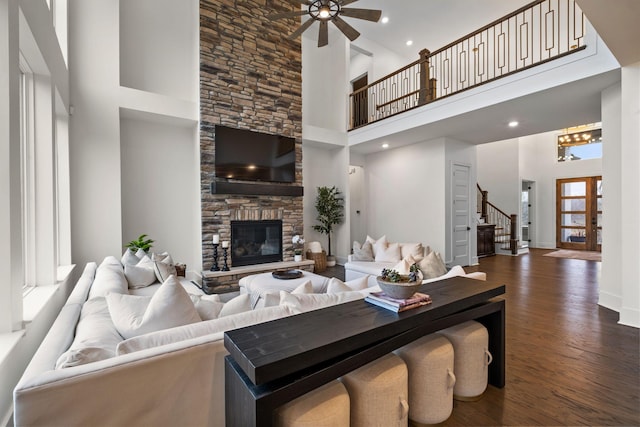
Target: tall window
(27, 169)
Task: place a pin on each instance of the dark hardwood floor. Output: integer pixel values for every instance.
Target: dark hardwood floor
(568, 361)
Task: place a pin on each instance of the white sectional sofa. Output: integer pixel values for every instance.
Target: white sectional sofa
(86, 374)
(169, 377)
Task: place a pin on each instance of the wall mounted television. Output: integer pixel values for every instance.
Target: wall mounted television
(246, 155)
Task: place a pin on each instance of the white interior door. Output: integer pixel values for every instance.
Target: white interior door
(461, 219)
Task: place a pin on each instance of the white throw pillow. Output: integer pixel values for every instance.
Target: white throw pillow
(164, 257)
(96, 336)
(362, 252)
(412, 249)
(163, 270)
(305, 288)
(380, 243)
(194, 330)
(239, 304)
(141, 274)
(140, 253)
(432, 266)
(337, 286)
(207, 309)
(389, 254)
(109, 279)
(129, 258)
(300, 303)
(170, 306)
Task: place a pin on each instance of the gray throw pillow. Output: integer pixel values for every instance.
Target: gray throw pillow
(365, 253)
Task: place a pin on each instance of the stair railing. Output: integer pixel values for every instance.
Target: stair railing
(506, 231)
(538, 32)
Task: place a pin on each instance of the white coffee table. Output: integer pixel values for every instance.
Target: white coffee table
(258, 284)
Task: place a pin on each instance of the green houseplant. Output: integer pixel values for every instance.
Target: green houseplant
(330, 207)
(140, 243)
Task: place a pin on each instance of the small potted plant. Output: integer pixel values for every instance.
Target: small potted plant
(398, 285)
(329, 205)
(298, 243)
(140, 243)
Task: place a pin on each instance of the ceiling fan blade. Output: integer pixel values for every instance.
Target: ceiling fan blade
(281, 15)
(323, 34)
(346, 29)
(299, 2)
(301, 29)
(346, 2)
(368, 14)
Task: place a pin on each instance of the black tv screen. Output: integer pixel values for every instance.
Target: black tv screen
(254, 156)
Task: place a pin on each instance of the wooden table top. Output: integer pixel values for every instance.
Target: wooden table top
(275, 349)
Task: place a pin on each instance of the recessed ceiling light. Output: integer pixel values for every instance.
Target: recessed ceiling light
(409, 42)
(385, 145)
(513, 124)
(385, 19)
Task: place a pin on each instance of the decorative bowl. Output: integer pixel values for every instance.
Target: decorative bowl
(399, 290)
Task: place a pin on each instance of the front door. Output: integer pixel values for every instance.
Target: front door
(461, 218)
(579, 213)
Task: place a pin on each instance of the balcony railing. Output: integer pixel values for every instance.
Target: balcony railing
(532, 35)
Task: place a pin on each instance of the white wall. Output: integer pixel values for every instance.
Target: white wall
(94, 130)
(325, 167)
(498, 174)
(630, 206)
(358, 204)
(155, 51)
(611, 284)
(406, 194)
(325, 86)
(384, 61)
(158, 182)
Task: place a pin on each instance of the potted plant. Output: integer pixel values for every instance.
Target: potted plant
(329, 205)
(140, 243)
(298, 243)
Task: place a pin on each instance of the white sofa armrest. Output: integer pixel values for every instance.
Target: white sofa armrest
(478, 275)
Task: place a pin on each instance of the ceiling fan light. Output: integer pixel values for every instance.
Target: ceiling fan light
(324, 12)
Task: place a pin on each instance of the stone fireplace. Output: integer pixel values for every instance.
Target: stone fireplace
(250, 78)
(255, 242)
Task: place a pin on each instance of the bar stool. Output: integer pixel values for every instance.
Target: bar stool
(431, 379)
(378, 393)
(326, 406)
(470, 342)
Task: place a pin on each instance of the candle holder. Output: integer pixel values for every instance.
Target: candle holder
(225, 267)
(215, 267)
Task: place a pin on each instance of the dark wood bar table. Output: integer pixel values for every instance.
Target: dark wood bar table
(272, 363)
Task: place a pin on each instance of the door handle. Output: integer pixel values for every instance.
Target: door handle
(468, 228)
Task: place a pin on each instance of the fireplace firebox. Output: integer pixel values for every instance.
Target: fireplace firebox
(256, 242)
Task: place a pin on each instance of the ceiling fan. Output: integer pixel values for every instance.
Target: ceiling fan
(324, 11)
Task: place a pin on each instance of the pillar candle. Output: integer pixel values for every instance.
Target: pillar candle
(225, 244)
(216, 239)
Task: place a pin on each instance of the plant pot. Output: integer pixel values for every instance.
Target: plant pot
(297, 258)
(400, 290)
(331, 261)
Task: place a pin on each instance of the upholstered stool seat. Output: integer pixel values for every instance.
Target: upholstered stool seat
(378, 393)
(470, 342)
(430, 364)
(326, 406)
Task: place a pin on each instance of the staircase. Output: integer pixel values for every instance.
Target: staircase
(506, 230)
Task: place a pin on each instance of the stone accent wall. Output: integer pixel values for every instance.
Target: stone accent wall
(250, 78)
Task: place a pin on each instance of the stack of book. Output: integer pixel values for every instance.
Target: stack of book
(394, 304)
